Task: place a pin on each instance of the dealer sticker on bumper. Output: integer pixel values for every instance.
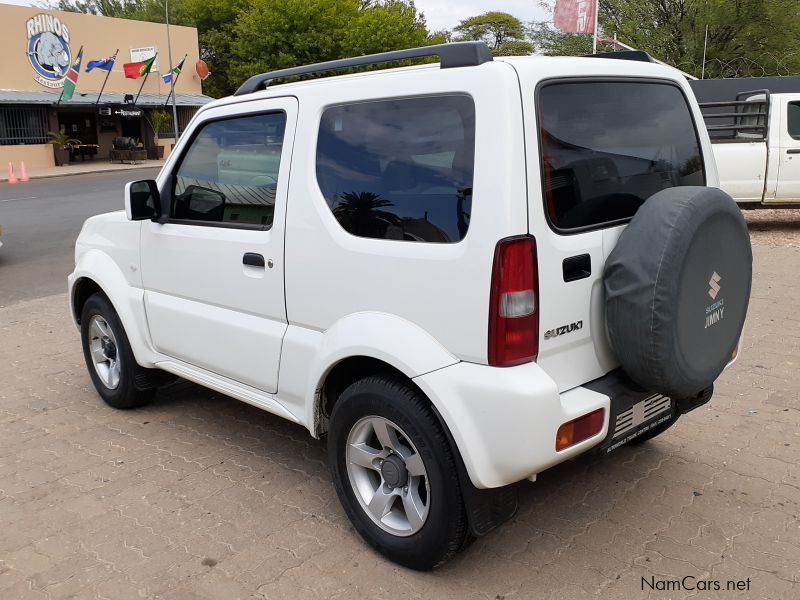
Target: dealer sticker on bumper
(639, 419)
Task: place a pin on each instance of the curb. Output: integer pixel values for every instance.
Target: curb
(4, 179)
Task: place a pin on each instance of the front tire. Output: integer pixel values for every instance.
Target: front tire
(108, 355)
(395, 473)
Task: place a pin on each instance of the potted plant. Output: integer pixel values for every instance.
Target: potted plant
(158, 120)
(62, 144)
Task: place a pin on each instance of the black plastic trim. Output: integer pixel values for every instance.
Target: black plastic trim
(577, 267)
(253, 259)
(456, 54)
(486, 509)
(636, 55)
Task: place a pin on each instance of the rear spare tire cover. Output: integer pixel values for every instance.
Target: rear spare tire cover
(677, 288)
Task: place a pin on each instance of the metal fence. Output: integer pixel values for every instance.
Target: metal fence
(763, 65)
(23, 125)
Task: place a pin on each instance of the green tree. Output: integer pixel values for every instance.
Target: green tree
(384, 26)
(549, 41)
(276, 34)
(504, 33)
(240, 38)
(106, 8)
(744, 36)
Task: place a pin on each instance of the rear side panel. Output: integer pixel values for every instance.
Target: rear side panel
(742, 169)
(609, 176)
(337, 266)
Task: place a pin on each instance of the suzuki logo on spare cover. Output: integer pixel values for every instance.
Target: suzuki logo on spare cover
(48, 49)
(715, 287)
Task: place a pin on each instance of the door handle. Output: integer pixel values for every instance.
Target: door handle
(577, 267)
(252, 259)
(793, 151)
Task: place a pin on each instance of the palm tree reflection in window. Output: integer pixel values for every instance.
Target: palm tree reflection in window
(363, 214)
(360, 213)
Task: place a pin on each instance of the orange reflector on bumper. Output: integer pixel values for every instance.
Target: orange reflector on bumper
(580, 429)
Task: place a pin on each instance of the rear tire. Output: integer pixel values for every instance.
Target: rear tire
(395, 473)
(108, 355)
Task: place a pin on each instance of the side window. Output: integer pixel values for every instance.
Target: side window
(793, 120)
(230, 172)
(400, 169)
(607, 146)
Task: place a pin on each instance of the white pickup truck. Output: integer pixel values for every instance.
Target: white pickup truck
(756, 142)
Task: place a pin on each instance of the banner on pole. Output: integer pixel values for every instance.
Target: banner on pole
(575, 16)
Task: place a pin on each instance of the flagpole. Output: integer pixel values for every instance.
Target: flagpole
(596, 20)
(106, 79)
(172, 80)
(705, 49)
(146, 75)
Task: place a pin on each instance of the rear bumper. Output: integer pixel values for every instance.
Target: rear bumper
(504, 421)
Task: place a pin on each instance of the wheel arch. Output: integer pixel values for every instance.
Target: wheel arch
(82, 290)
(97, 272)
(344, 373)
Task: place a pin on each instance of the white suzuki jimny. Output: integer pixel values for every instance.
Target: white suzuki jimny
(460, 273)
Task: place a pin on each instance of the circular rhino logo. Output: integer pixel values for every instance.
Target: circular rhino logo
(48, 49)
(49, 55)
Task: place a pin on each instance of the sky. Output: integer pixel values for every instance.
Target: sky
(445, 14)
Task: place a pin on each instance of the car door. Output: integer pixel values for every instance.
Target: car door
(605, 145)
(213, 268)
(788, 189)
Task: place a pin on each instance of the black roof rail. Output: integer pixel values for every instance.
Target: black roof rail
(637, 55)
(456, 54)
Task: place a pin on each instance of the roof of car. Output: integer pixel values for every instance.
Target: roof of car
(527, 63)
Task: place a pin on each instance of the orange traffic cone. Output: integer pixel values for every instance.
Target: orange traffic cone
(23, 173)
(11, 177)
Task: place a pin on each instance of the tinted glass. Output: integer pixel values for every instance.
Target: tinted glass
(230, 172)
(400, 169)
(793, 120)
(608, 146)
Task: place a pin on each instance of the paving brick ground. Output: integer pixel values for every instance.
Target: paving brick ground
(198, 496)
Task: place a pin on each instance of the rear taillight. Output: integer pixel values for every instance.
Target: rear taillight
(513, 310)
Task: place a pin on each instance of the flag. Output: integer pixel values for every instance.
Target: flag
(575, 16)
(106, 64)
(135, 70)
(72, 77)
(167, 77)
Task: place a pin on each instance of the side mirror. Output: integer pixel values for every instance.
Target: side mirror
(142, 200)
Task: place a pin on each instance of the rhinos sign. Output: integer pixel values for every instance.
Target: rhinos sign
(48, 49)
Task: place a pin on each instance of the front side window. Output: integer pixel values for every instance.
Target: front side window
(399, 169)
(230, 172)
(608, 146)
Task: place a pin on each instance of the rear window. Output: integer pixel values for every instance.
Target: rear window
(793, 120)
(608, 146)
(400, 169)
